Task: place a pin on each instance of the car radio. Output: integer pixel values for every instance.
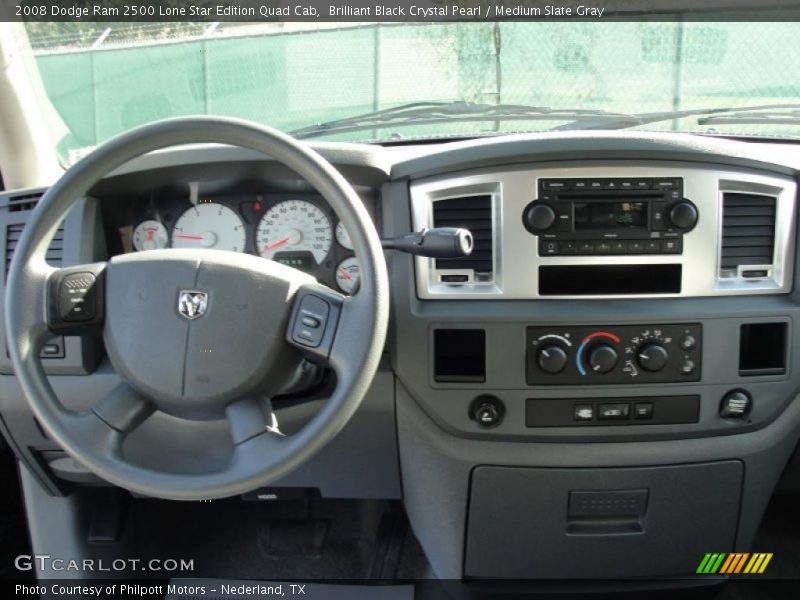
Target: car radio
(610, 216)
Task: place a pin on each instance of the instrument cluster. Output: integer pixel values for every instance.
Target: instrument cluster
(298, 230)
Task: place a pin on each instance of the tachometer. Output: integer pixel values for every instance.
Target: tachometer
(209, 225)
(150, 235)
(294, 226)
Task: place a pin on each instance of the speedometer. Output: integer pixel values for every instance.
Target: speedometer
(294, 226)
(209, 225)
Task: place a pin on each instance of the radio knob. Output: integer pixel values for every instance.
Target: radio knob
(602, 358)
(539, 217)
(652, 357)
(551, 359)
(683, 215)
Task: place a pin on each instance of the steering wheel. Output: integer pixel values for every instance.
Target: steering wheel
(198, 334)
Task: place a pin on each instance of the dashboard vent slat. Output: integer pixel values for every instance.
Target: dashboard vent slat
(24, 202)
(55, 252)
(473, 213)
(748, 230)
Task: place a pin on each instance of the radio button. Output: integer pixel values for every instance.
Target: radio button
(568, 247)
(667, 184)
(548, 247)
(652, 247)
(635, 247)
(539, 217)
(619, 247)
(602, 247)
(585, 247)
(596, 184)
(642, 184)
(553, 184)
(626, 184)
(671, 246)
(683, 215)
(580, 184)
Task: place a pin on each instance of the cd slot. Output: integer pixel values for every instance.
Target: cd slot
(609, 280)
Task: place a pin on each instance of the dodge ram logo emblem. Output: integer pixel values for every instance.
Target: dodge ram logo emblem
(192, 304)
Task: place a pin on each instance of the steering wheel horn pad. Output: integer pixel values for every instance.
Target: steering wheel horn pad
(194, 363)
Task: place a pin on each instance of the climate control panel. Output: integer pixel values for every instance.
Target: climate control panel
(613, 354)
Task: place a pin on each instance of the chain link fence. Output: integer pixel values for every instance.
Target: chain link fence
(108, 77)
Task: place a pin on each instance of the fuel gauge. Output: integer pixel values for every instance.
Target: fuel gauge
(150, 235)
(348, 275)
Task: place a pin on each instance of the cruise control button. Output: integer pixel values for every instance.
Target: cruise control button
(76, 297)
(308, 321)
(611, 412)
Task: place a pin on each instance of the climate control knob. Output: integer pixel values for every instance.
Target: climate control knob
(683, 215)
(539, 217)
(551, 359)
(602, 358)
(652, 357)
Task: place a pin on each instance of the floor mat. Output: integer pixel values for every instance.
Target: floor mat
(311, 539)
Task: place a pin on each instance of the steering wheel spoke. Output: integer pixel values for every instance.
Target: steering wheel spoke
(251, 417)
(123, 409)
(75, 300)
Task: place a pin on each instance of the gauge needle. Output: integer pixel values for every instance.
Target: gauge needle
(274, 245)
(185, 236)
(345, 274)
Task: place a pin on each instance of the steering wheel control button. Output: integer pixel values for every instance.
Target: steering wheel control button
(613, 412)
(643, 411)
(310, 324)
(487, 411)
(736, 404)
(76, 297)
(583, 412)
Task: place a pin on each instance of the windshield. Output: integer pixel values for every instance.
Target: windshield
(104, 78)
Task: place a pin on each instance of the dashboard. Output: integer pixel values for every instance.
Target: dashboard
(624, 331)
(296, 229)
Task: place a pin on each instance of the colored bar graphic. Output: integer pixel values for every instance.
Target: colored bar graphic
(734, 563)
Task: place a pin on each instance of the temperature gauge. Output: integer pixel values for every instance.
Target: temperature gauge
(150, 235)
(348, 275)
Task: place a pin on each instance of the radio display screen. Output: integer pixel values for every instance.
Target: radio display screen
(610, 215)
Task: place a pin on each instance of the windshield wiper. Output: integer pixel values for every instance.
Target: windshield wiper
(731, 114)
(429, 113)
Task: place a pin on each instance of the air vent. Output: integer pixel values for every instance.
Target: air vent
(54, 252)
(473, 213)
(24, 202)
(748, 230)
